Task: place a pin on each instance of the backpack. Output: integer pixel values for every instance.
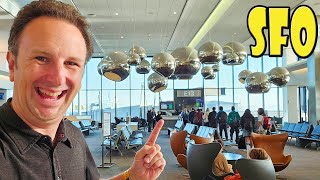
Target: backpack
(265, 122)
(223, 117)
(247, 124)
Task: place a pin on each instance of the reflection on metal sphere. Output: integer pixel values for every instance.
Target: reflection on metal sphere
(185, 77)
(138, 50)
(257, 82)
(173, 77)
(164, 64)
(234, 53)
(207, 73)
(116, 67)
(143, 67)
(187, 62)
(134, 59)
(279, 76)
(157, 82)
(101, 65)
(210, 53)
(216, 68)
(243, 75)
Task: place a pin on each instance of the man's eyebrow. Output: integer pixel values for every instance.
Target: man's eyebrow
(34, 51)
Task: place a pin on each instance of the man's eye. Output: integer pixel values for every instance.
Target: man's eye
(41, 58)
(71, 63)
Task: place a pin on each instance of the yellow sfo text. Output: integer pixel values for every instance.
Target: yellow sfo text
(303, 30)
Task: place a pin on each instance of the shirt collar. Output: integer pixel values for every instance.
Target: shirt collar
(21, 134)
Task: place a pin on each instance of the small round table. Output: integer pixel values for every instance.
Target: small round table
(232, 158)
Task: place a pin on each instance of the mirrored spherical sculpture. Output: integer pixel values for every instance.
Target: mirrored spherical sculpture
(116, 66)
(207, 72)
(173, 77)
(187, 62)
(143, 67)
(133, 59)
(216, 68)
(185, 77)
(279, 76)
(210, 53)
(257, 82)
(101, 65)
(138, 50)
(164, 64)
(234, 53)
(243, 75)
(157, 82)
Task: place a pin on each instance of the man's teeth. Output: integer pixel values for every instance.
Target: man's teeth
(55, 94)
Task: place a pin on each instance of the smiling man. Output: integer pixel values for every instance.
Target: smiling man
(49, 46)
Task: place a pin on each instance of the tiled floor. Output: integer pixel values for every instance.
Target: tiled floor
(304, 166)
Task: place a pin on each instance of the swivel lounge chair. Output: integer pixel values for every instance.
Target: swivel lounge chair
(200, 158)
(177, 142)
(182, 158)
(274, 146)
(256, 169)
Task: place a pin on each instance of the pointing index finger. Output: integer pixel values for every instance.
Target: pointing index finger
(155, 133)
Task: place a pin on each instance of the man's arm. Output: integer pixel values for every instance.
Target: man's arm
(148, 162)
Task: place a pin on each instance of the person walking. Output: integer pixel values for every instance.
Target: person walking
(234, 123)
(206, 117)
(247, 123)
(222, 120)
(192, 116)
(212, 118)
(261, 115)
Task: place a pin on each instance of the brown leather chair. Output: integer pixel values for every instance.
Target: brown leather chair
(182, 158)
(177, 142)
(274, 146)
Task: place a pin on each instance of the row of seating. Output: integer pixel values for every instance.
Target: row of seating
(131, 139)
(296, 130)
(178, 126)
(313, 137)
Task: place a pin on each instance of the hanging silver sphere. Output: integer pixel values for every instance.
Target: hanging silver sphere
(187, 62)
(164, 64)
(138, 50)
(133, 59)
(234, 53)
(185, 77)
(279, 76)
(243, 75)
(216, 68)
(143, 67)
(173, 77)
(257, 82)
(116, 66)
(207, 72)
(157, 82)
(210, 53)
(101, 65)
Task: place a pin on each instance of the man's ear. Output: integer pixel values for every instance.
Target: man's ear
(11, 62)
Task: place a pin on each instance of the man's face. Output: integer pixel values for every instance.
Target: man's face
(48, 70)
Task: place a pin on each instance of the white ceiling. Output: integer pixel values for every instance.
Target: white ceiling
(153, 25)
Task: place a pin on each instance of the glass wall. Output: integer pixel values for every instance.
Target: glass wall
(132, 97)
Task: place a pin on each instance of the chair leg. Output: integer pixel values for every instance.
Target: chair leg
(309, 144)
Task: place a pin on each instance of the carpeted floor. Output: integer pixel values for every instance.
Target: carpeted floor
(304, 166)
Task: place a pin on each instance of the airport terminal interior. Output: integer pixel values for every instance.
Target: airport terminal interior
(178, 59)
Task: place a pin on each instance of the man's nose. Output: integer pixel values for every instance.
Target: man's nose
(57, 74)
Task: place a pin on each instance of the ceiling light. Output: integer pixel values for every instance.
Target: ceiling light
(174, 12)
(116, 14)
(214, 17)
(121, 37)
(91, 15)
(102, 27)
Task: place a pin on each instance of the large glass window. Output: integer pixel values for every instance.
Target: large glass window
(132, 96)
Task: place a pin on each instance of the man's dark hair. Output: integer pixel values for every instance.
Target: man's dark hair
(48, 8)
(213, 108)
(220, 108)
(233, 108)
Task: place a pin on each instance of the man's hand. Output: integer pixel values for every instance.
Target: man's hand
(148, 162)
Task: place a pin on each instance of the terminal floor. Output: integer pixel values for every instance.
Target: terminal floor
(305, 164)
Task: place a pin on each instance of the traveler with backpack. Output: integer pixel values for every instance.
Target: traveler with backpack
(198, 118)
(263, 121)
(212, 118)
(247, 124)
(234, 123)
(222, 120)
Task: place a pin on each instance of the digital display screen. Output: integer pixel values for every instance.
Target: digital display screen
(1, 96)
(168, 105)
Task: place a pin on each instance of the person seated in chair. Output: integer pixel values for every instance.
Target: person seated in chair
(220, 164)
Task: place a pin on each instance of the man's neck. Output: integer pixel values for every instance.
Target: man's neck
(48, 128)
